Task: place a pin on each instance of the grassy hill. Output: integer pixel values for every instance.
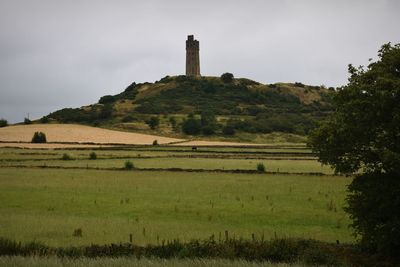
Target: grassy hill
(218, 108)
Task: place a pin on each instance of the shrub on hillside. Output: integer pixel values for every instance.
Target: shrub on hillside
(228, 130)
(106, 99)
(129, 93)
(3, 123)
(106, 111)
(39, 137)
(153, 122)
(172, 121)
(208, 122)
(67, 115)
(45, 119)
(129, 118)
(166, 79)
(191, 126)
(208, 130)
(227, 77)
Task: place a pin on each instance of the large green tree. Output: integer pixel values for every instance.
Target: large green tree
(362, 137)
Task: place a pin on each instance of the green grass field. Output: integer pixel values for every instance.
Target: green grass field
(291, 160)
(47, 205)
(110, 204)
(291, 166)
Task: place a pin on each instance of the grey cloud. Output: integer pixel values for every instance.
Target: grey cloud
(56, 54)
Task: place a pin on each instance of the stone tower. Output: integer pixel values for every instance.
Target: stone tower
(192, 57)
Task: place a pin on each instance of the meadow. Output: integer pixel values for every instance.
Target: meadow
(46, 199)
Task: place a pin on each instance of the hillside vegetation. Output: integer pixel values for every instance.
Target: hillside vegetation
(206, 106)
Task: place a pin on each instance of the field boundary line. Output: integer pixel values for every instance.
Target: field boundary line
(244, 171)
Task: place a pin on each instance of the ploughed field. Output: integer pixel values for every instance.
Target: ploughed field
(171, 193)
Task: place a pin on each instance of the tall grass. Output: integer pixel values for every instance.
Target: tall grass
(134, 262)
(275, 250)
(167, 204)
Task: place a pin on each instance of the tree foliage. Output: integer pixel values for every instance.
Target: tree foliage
(27, 121)
(3, 123)
(363, 137)
(153, 122)
(39, 137)
(106, 99)
(208, 122)
(191, 125)
(106, 111)
(227, 77)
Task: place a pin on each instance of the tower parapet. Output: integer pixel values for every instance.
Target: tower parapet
(192, 57)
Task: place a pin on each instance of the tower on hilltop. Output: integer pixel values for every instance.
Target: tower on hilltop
(192, 57)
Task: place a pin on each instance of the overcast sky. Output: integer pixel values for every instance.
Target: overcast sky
(56, 54)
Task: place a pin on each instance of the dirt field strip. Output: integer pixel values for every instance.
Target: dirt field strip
(49, 146)
(72, 133)
(214, 143)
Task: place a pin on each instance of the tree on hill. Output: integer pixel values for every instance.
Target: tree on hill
(106, 99)
(363, 138)
(227, 77)
(153, 122)
(106, 111)
(191, 125)
(3, 123)
(208, 122)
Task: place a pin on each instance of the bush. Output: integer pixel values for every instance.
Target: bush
(27, 121)
(155, 143)
(208, 122)
(45, 119)
(3, 123)
(153, 122)
(128, 118)
(314, 253)
(106, 99)
(208, 130)
(66, 156)
(228, 130)
(227, 77)
(260, 167)
(67, 115)
(39, 137)
(93, 156)
(106, 111)
(166, 79)
(172, 121)
(191, 126)
(129, 165)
